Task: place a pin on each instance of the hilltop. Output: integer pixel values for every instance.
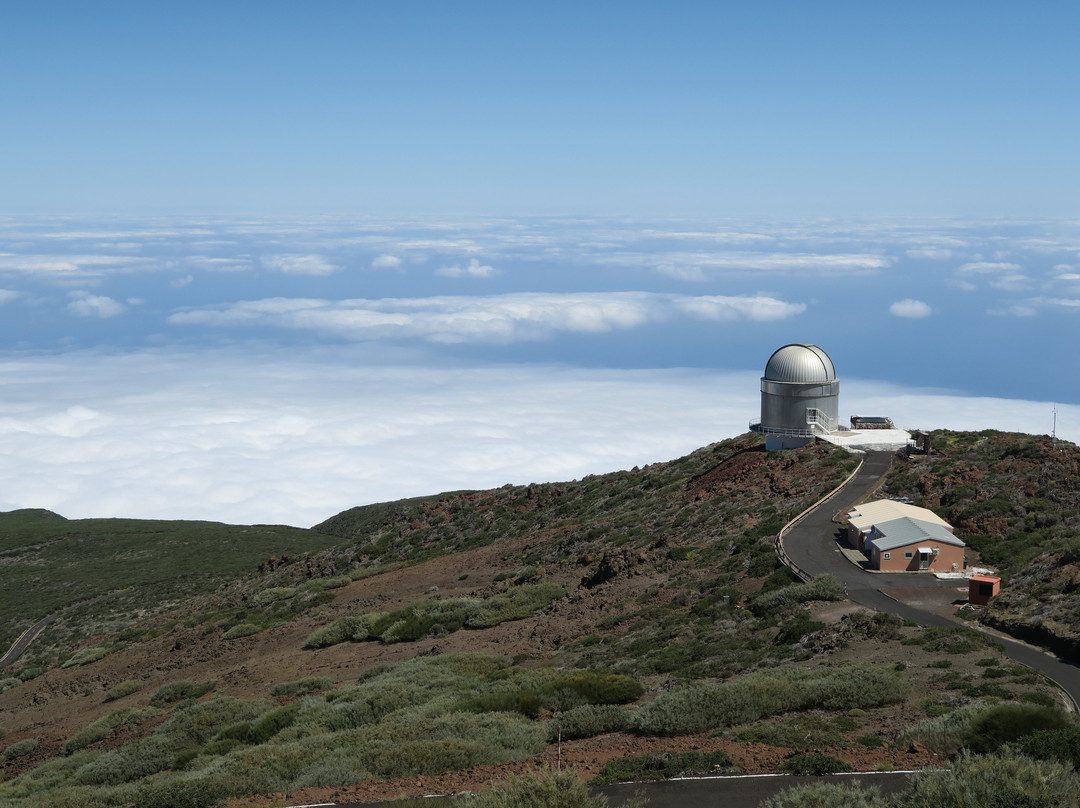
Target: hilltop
(502, 607)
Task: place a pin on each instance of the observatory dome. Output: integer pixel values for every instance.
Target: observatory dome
(799, 397)
(801, 364)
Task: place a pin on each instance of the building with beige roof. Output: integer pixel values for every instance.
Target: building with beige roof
(898, 536)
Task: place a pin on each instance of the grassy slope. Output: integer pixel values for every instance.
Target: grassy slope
(50, 562)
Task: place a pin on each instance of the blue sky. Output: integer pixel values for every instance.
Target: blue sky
(263, 261)
(778, 108)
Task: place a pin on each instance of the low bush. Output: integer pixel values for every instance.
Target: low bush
(1045, 699)
(125, 688)
(436, 618)
(662, 766)
(1005, 779)
(178, 691)
(1061, 744)
(9, 682)
(822, 587)
(339, 631)
(84, 656)
(828, 795)
(272, 595)
(952, 640)
(702, 707)
(543, 790)
(814, 764)
(241, 630)
(944, 734)
(20, 748)
(596, 688)
(588, 721)
(800, 732)
(335, 583)
(301, 687)
(420, 757)
(1003, 723)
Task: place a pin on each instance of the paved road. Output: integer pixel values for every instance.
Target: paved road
(23, 642)
(811, 544)
(713, 792)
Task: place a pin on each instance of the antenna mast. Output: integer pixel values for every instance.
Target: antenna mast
(1053, 433)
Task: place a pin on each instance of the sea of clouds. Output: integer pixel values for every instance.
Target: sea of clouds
(281, 371)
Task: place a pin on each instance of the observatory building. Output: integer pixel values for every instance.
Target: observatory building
(800, 397)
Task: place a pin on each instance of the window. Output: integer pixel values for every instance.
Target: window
(886, 555)
(909, 554)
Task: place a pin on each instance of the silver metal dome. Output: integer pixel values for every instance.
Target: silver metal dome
(799, 397)
(800, 363)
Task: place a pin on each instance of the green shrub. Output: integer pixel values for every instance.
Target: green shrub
(515, 604)
(183, 792)
(800, 732)
(702, 707)
(269, 725)
(8, 683)
(822, 587)
(30, 672)
(541, 790)
(1003, 723)
(1045, 699)
(125, 688)
(339, 631)
(946, 733)
(84, 656)
(828, 795)
(20, 748)
(103, 726)
(241, 630)
(1008, 780)
(412, 758)
(272, 595)
(662, 766)
(524, 702)
(953, 640)
(870, 741)
(796, 627)
(814, 763)
(178, 691)
(597, 688)
(1061, 744)
(589, 720)
(300, 687)
(335, 583)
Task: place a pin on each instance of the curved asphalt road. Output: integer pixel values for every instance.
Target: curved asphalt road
(810, 543)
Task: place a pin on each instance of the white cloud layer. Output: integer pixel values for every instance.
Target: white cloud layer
(386, 262)
(496, 319)
(474, 270)
(299, 264)
(85, 304)
(911, 308)
(245, 437)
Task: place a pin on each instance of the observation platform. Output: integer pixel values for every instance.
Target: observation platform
(869, 440)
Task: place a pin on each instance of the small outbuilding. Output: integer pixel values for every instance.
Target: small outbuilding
(982, 589)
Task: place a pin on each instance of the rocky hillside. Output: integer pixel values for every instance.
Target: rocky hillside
(436, 642)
